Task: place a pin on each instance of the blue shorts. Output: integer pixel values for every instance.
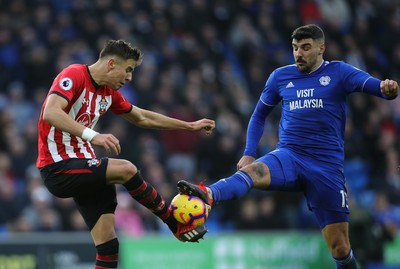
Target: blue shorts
(323, 185)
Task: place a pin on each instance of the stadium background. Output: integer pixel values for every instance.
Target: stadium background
(202, 59)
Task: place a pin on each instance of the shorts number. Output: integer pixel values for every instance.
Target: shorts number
(344, 198)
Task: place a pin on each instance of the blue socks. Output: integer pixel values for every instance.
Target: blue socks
(347, 262)
(232, 187)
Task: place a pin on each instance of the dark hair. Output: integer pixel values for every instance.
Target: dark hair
(122, 49)
(312, 31)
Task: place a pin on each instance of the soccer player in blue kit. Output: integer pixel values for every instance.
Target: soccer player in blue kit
(309, 156)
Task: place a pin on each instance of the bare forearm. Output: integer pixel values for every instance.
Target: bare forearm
(155, 120)
(152, 120)
(63, 122)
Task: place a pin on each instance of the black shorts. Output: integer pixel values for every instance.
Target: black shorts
(85, 181)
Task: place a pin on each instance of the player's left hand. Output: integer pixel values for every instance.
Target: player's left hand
(108, 141)
(244, 161)
(389, 88)
(203, 124)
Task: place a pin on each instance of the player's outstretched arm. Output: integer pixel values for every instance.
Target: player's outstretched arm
(153, 120)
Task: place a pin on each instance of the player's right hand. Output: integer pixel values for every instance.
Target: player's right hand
(244, 161)
(109, 142)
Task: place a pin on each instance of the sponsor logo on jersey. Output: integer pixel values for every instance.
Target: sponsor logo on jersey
(103, 106)
(290, 85)
(84, 119)
(325, 80)
(65, 84)
(306, 99)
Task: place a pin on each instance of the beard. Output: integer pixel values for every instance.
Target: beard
(305, 67)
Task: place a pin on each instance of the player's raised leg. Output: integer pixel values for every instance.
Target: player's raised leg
(255, 175)
(122, 171)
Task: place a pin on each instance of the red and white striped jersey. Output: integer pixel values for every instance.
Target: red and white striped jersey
(86, 104)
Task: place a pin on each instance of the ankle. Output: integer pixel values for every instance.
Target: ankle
(209, 193)
(171, 223)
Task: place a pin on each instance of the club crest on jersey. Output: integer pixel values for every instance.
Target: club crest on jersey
(94, 162)
(325, 80)
(103, 106)
(65, 84)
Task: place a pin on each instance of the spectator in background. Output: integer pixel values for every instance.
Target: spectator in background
(336, 14)
(127, 219)
(370, 230)
(20, 108)
(41, 215)
(11, 200)
(310, 12)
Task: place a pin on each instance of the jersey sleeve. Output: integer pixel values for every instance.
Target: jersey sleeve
(68, 83)
(356, 80)
(120, 105)
(270, 94)
(353, 78)
(255, 128)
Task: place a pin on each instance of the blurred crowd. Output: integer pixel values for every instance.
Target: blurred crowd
(202, 58)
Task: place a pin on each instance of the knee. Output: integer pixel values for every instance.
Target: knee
(259, 173)
(340, 249)
(128, 170)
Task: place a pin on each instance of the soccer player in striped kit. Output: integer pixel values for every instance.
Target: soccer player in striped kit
(79, 96)
(310, 153)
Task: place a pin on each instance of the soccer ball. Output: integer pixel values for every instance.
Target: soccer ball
(189, 209)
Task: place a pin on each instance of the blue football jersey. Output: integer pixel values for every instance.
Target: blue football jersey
(314, 107)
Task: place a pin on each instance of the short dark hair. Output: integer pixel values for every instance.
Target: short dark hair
(312, 31)
(122, 49)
